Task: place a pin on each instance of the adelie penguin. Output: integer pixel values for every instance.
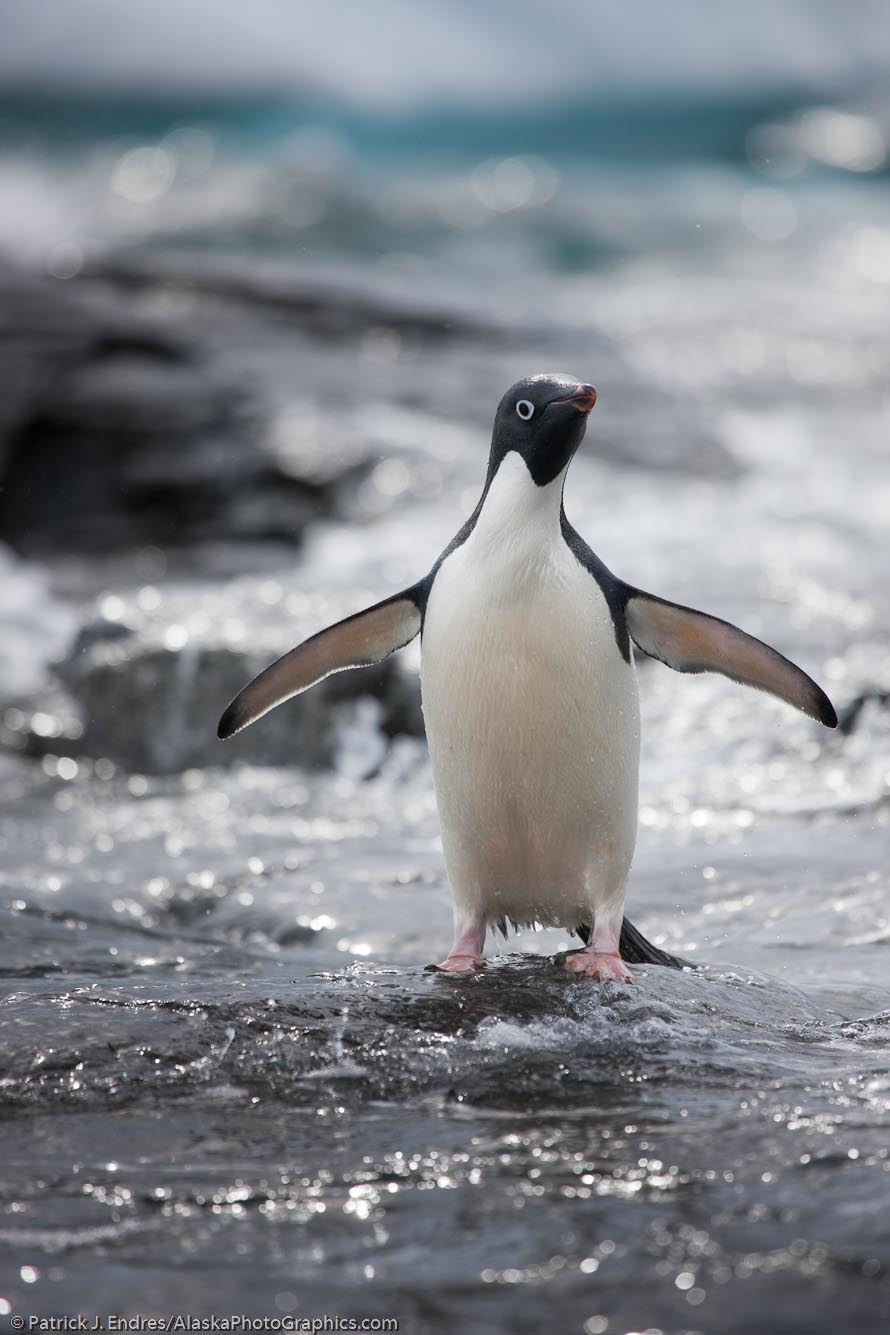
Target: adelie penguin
(530, 694)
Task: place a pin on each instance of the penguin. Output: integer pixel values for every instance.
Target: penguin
(530, 695)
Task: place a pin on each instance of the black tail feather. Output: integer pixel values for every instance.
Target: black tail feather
(635, 949)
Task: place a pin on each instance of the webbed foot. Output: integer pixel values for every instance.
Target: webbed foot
(601, 965)
(465, 954)
(458, 964)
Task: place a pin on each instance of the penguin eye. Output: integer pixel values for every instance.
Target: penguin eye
(525, 410)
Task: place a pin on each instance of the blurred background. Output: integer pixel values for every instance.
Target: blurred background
(265, 271)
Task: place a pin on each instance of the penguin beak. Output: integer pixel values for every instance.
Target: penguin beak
(583, 398)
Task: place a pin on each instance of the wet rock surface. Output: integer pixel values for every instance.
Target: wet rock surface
(181, 410)
(123, 429)
(226, 1080)
(150, 698)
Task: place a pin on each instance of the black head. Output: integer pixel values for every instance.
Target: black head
(542, 418)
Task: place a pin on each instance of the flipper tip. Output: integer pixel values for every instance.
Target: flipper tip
(230, 723)
(824, 710)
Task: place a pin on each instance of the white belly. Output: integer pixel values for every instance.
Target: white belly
(533, 724)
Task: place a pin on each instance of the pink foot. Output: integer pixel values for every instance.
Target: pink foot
(458, 964)
(465, 954)
(598, 964)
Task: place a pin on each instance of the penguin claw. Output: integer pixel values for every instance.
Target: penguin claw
(458, 964)
(598, 965)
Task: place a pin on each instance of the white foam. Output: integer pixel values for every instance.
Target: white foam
(36, 627)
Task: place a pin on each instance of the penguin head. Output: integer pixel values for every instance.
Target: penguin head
(542, 418)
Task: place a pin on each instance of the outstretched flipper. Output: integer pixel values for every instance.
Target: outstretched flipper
(359, 640)
(691, 641)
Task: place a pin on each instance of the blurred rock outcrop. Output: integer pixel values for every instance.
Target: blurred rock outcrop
(119, 429)
(154, 708)
(146, 693)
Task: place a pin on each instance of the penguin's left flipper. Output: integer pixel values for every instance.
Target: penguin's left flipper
(359, 640)
(691, 641)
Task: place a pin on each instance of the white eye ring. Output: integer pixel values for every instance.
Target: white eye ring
(525, 410)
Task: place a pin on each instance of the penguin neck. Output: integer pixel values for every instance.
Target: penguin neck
(515, 512)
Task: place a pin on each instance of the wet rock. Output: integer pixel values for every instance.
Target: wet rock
(425, 352)
(850, 717)
(186, 406)
(330, 304)
(154, 450)
(149, 698)
(155, 442)
(41, 331)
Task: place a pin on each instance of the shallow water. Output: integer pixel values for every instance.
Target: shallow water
(229, 1084)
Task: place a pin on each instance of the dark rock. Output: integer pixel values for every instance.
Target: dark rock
(119, 429)
(149, 699)
(329, 304)
(849, 716)
(152, 451)
(172, 405)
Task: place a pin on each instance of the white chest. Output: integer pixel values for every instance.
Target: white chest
(531, 714)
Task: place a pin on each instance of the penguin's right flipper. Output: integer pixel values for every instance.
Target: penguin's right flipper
(359, 640)
(690, 641)
(635, 949)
